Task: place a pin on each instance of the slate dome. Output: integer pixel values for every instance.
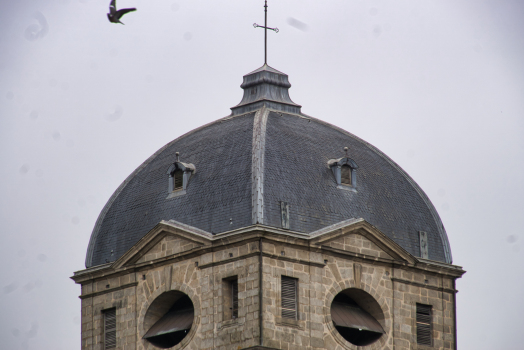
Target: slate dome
(267, 152)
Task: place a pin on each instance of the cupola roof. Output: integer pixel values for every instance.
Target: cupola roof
(266, 87)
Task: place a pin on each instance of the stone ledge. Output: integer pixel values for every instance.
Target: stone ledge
(175, 194)
(226, 261)
(347, 188)
(347, 253)
(279, 321)
(265, 255)
(109, 290)
(231, 323)
(293, 260)
(426, 286)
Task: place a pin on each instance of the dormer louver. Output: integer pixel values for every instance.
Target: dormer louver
(345, 172)
(176, 185)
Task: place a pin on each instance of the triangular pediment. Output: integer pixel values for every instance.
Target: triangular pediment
(169, 244)
(359, 244)
(167, 238)
(359, 237)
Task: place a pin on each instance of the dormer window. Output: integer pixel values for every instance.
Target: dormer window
(345, 172)
(178, 177)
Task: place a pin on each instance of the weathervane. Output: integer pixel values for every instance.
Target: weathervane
(265, 31)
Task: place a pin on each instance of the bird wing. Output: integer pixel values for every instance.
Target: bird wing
(112, 7)
(122, 12)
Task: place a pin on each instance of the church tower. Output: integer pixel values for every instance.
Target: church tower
(268, 229)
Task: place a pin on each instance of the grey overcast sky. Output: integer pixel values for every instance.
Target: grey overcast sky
(436, 85)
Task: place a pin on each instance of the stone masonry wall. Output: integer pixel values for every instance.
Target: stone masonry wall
(321, 276)
(124, 300)
(406, 296)
(390, 287)
(168, 245)
(357, 243)
(202, 278)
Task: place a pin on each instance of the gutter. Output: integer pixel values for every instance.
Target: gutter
(260, 292)
(455, 313)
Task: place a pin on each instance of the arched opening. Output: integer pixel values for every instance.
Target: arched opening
(169, 319)
(357, 317)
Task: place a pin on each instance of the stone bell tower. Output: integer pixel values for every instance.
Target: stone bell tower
(268, 229)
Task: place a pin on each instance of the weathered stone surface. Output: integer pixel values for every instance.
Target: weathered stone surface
(167, 246)
(201, 271)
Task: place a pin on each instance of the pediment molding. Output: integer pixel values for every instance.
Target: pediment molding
(323, 237)
(160, 231)
(316, 241)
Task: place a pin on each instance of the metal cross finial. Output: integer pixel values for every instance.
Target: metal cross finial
(265, 31)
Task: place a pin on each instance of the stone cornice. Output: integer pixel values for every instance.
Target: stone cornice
(440, 268)
(265, 255)
(314, 243)
(109, 290)
(364, 257)
(426, 286)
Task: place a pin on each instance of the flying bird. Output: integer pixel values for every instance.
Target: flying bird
(114, 15)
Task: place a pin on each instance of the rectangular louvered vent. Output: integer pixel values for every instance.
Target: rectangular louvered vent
(234, 298)
(178, 178)
(424, 324)
(289, 297)
(110, 329)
